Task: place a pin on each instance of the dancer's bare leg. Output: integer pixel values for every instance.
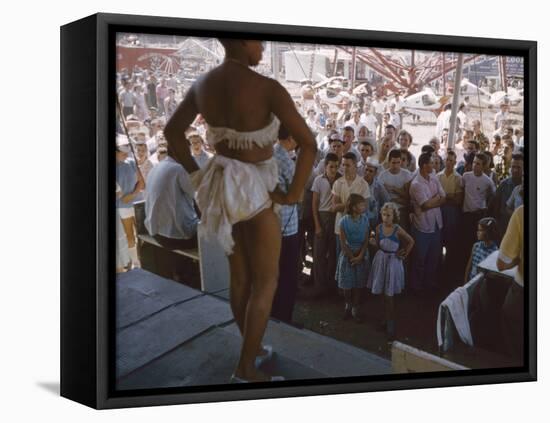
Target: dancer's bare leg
(240, 280)
(263, 246)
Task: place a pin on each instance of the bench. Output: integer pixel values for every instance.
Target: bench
(212, 273)
(193, 253)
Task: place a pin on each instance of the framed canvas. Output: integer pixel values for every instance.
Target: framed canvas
(436, 132)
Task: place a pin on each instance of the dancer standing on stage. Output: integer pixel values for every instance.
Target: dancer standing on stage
(235, 190)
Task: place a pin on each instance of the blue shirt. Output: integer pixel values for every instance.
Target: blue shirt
(126, 178)
(479, 253)
(169, 207)
(288, 213)
(379, 196)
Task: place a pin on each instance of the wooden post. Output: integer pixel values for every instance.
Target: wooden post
(456, 95)
(335, 63)
(503, 76)
(353, 64)
(444, 76)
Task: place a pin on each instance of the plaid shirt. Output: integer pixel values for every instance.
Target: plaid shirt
(479, 253)
(288, 213)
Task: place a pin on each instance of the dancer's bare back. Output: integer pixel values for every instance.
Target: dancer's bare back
(234, 96)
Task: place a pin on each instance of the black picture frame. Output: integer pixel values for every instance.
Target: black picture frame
(87, 240)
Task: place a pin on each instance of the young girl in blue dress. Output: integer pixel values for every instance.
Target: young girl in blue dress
(486, 244)
(387, 274)
(353, 262)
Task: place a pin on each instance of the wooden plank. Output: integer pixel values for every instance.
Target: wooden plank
(406, 359)
(191, 253)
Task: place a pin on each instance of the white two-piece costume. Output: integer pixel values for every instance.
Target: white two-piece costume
(229, 191)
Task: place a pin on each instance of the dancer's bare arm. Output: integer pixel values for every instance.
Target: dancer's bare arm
(174, 132)
(283, 107)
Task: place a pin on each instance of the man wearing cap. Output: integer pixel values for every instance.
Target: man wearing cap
(131, 184)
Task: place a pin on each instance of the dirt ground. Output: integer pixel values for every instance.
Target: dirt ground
(416, 318)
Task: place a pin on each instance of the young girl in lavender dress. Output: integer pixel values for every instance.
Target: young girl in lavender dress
(387, 274)
(353, 262)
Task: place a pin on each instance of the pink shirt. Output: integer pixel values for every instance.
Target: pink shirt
(422, 190)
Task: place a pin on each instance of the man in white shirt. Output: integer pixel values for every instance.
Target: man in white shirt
(443, 121)
(501, 116)
(397, 180)
(369, 120)
(350, 183)
(395, 120)
(378, 108)
(478, 191)
(355, 121)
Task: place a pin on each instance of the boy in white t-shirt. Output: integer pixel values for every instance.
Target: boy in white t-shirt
(397, 180)
(478, 190)
(324, 244)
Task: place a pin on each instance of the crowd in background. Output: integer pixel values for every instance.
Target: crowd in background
(373, 216)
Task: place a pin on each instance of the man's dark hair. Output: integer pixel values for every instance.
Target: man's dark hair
(406, 153)
(497, 137)
(427, 149)
(482, 157)
(350, 156)
(451, 152)
(349, 128)
(283, 133)
(469, 158)
(424, 159)
(389, 126)
(394, 154)
(365, 143)
(331, 157)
